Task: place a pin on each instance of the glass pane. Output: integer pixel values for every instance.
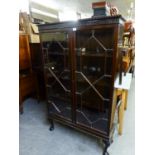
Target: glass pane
(57, 71)
(93, 77)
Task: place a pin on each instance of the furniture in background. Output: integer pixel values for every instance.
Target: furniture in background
(129, 34)
(24, 53)
(27, 78)
(81, 63)
(122, 91)
(37, 67)
(129, 46)
(127, 58)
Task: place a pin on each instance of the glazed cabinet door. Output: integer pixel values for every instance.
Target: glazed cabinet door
(55, 48)
(94, 52)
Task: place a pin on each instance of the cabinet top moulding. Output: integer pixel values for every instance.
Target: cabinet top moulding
(102, 20)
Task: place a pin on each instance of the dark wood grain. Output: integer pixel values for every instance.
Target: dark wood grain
(28, 83)
(108, 32)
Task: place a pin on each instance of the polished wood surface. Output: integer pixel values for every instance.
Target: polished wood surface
(37, 67)
(24, 52)
(27, 79)
(67, 47)
(27, 86)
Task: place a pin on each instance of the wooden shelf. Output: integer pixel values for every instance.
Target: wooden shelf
(59, 97)
(57, 53)
(93, 60)
(94, 55)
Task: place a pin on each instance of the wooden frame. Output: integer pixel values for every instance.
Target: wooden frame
(115, 23)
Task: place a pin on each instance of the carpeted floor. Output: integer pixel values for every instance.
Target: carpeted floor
(36, 139)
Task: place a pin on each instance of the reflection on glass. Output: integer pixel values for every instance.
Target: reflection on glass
(57, 71)
(93, 75)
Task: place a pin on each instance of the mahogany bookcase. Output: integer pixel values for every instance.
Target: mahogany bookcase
(81, 61)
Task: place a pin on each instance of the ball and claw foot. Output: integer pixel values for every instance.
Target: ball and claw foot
(107, 144)
(106, 153)
(52, 126)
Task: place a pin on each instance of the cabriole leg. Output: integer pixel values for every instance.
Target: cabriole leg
(52, 125)
(107, 144)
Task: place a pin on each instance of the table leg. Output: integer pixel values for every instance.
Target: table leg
(126, 99)
(121, 113)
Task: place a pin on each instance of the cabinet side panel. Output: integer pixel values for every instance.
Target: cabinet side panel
(118, 37)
